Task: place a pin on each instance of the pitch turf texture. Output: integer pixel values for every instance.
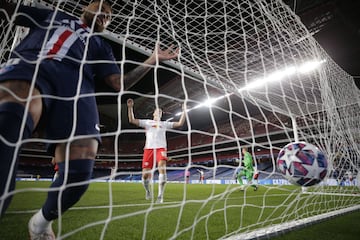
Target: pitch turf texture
(192, 211)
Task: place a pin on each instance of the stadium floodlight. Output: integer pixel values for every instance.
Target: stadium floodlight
(273, 77)
(281, 74)
(209, 102)
(310, 66)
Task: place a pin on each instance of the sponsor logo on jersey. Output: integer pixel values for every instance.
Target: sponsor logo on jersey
(6, 69)
(9, 65)
(156, 126)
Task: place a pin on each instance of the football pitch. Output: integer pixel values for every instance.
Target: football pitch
(190, 211)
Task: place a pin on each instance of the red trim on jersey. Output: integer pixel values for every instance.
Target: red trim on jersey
(56, 167)
(59, 43)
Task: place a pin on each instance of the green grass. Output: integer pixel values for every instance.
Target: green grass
(191, 211)
(345, 227)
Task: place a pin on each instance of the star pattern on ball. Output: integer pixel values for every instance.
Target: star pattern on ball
(314, 170)
(290, 156)
(302, 163)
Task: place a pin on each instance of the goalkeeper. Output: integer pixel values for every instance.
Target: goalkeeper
(60, 58)
(247, 171)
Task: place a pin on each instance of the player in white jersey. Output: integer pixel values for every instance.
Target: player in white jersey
(155, 146)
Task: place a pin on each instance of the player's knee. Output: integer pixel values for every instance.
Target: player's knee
(162, 165)
(84, 149)
(146, 173)
(79, 149)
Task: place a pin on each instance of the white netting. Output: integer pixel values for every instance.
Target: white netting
(226, 49)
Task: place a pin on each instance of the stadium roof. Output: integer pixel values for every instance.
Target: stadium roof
(333, 23)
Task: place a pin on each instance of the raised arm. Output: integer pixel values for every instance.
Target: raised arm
(181, 121)
(132, 119)
(134, 76)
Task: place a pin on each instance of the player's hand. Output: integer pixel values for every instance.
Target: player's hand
(130, 103)
(166, 54)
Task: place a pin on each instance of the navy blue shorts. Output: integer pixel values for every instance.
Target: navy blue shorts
(59, 86)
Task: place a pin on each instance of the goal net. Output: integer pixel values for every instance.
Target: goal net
(251, 75)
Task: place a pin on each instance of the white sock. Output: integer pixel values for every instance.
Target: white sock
(39, 222)
(162, 181)
(146, 184)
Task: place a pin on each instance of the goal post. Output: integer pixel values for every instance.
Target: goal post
(252, 76)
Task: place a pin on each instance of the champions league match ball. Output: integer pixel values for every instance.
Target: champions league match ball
(302, 164)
